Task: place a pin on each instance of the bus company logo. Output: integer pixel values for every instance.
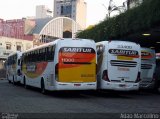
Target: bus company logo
(146, 55)
(77, 50)
(128, 53)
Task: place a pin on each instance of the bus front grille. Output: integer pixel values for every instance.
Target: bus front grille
(123, 63)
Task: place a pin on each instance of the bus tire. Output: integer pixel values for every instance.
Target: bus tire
(24, 83)
(43, 91)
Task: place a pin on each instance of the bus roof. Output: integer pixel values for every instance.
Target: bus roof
(104, 42)
(53, 42)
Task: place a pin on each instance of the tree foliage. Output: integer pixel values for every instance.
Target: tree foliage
(140, 18)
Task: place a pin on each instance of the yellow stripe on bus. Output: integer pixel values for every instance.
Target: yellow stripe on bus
(82, 73)
(124, 58)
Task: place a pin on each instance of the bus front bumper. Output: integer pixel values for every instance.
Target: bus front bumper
(74, 86)
(120, 86)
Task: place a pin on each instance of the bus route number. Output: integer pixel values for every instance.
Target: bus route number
(67, 60)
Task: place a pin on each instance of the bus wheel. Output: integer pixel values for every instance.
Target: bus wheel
(24, 82)
(43, 91)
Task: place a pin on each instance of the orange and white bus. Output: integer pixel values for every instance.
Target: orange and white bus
(13, 67)
(148, 67)
(64, 64)
(118, 65)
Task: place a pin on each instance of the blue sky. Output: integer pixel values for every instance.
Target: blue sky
(16, 9)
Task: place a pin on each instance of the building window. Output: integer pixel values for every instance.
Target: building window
(8, 46)
(61, 10)
(18, 48)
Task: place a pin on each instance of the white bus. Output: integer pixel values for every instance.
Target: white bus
(118, 65)
(148, 66)
(64, 64)
(13, 67)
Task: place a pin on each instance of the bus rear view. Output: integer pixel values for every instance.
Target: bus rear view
(13, 67)
(148, 65)
(120, 68)
(76, 67)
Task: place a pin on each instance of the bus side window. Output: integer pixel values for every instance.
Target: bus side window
(43, 55)
(32, 53)
(33, 56)
(53, 51)
(19, 62)
(29, 57)
(49, 55)
(8, 61)
(46, 50)
(38, 56)
(13, 60)
(26, 59)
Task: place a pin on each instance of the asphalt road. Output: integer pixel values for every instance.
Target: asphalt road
(17, 99)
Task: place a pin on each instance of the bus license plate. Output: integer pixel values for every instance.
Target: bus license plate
(122, 85)
(77, 84)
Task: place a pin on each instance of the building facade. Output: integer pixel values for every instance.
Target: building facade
(74, 9)
(43, 11)
(10, 45)
(14, 29)
(13, 37)
(37, 31)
